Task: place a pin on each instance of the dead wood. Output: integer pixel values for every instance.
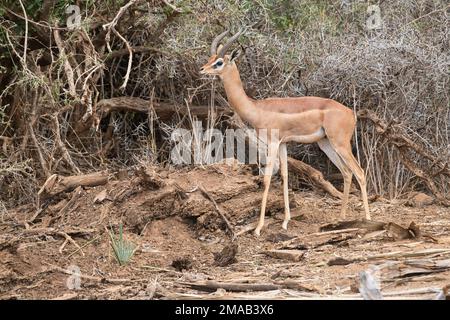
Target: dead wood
(394, 230)
(212, 286)
(296, 285)
(83, 246)
(413, 268)
(400, 233)
(315, 176)
(123, 52)
(220, 212)
(69, 205)
(56, 184)
(318, 239)
(409, 254)
(164, 111)
(397, 138)
(369, 225)
(425, 176)
(403, 254)
(292, 255)
(62, 146)
(58, 232)
(339, 262)
(67, 67)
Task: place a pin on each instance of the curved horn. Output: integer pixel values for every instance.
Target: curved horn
(229, 43)
(216, 42)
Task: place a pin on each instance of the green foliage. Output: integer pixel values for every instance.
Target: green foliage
(123, 250)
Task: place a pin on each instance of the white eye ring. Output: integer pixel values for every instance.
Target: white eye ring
(218, 63)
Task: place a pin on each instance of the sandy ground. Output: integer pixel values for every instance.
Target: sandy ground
(178, 233)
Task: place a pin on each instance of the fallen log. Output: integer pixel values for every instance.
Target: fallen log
(56, 184)
(212, 286)
(164, 111)
(314, 175)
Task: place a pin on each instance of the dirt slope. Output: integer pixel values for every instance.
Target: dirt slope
(179, 234)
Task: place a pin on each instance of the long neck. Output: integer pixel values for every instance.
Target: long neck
(237, 97)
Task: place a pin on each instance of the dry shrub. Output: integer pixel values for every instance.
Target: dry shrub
(291, 48)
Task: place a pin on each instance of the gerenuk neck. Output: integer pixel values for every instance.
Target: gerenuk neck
(237, 97)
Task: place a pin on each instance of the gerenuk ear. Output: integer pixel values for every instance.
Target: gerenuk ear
(235, 54)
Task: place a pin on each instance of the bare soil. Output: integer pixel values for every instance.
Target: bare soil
(179, 235)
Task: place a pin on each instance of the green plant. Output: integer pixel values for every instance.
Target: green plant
(123, 250)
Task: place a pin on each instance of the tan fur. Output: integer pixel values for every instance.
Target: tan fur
(302, 119)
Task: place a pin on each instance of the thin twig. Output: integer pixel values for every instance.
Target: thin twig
(219, 211)
(67, 66)
(25, 43)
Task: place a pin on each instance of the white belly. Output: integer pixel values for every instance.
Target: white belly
(309, 138)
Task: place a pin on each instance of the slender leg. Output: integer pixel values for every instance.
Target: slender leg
(284, 175)
(347, 185)
(347, 156)
(267, 177)
(326, 147)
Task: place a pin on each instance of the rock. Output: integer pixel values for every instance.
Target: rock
(227, 256)
(420, 199)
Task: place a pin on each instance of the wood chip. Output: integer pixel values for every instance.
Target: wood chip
(292, 255)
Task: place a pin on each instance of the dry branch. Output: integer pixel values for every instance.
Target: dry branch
(413, 268)
(211, 286)
(56, 184)
(112, 27)
(67, 67)
(397, 138)
(123, 52)
(315, 176)
(62, 146)
(164, 111)
(219, 211)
